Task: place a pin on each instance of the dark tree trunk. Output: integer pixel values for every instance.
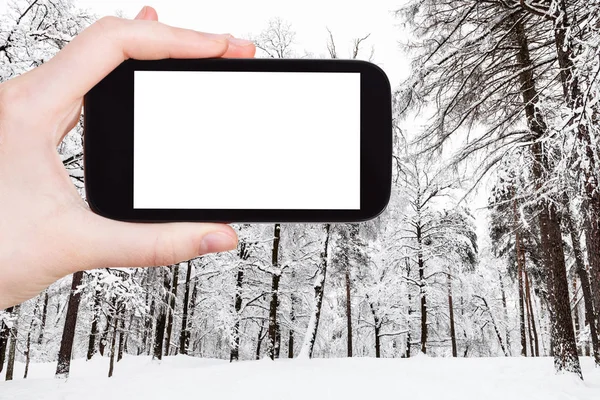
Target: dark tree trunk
(12, 348)
(172, 305)
(409, 326)
(66, 345)
(582, 274)
(121, 339)
(28, 342)
(4, 335)
(589, 312)
(533, 335)
(191, 312)
(113, 341)
(94, 329)
(409, 314)
(161, 320)
(184, 337)
(423, 290)
(28, 351)
(43, 319)
(451, 313)
(313, 326)
(160, 334)
(565, 348)
(520, 255)
(293, 301)
(147, 336)
(259, 340)
(576, 322)
(505, 307)
(273, 349)
(104, 336)
(348, 309)
(377, 329)
(574, 98)
(235, 350)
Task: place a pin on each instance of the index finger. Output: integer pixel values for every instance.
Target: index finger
(103, 46)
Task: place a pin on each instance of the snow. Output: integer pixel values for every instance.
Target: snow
(420, 378)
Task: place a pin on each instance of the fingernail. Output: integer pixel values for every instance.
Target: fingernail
(240, 42)
(217, 36)
(217, 241)
(142, 13)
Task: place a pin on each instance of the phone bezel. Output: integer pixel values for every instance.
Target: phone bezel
(109, 134)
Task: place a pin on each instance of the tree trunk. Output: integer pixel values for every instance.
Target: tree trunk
(584, 280)
(576, 322)
(565, 349)
(259, 340)
(171, 311)
(575, 99)
(273, 350)
(184, 337)
(66, 345)
(293, 301)
(191, 312)
(533, 335)
(28, 342)
(147, 336)
(12, 349)
(121, 339)
(409, 313)
(313, 324)
(104, 336)
(498, 335)
(348, 310)
(113, 341)
(520, 255)
(94, 329)
(28, 352)
(43, 319)
(235, 349)
(377, 329)
(505, 307)
(4, 336)
(423, 291)
(451, 313)
(161, 320)
(159, 336)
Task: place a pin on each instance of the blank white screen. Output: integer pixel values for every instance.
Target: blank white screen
(246, 140)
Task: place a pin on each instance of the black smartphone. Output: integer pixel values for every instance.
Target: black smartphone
(239, 140)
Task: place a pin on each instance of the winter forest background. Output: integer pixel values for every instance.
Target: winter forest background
(490, 246)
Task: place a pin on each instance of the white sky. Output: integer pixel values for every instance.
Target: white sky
(347, 19)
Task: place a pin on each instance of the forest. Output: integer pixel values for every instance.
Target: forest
(490, 246)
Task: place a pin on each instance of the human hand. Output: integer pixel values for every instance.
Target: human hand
(46, 229)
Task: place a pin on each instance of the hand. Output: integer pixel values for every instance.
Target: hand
(46, 229)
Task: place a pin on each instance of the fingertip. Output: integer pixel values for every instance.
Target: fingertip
(240, 48)
(147, 13)
(218, 241)
(151, 14)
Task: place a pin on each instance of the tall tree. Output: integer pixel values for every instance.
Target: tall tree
(184, 336)
(66, 345)
(172, 306)
(12, 347)
(319, 286)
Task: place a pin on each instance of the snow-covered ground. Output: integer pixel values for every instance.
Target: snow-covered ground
(419, 378)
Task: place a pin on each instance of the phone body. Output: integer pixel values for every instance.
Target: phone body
(239, 140)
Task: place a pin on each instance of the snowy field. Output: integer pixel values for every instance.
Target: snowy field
(419, 378)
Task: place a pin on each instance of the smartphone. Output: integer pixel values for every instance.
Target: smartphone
(239, 140)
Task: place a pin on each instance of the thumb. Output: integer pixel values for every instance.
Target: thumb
(122, 244)
(147, 14)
